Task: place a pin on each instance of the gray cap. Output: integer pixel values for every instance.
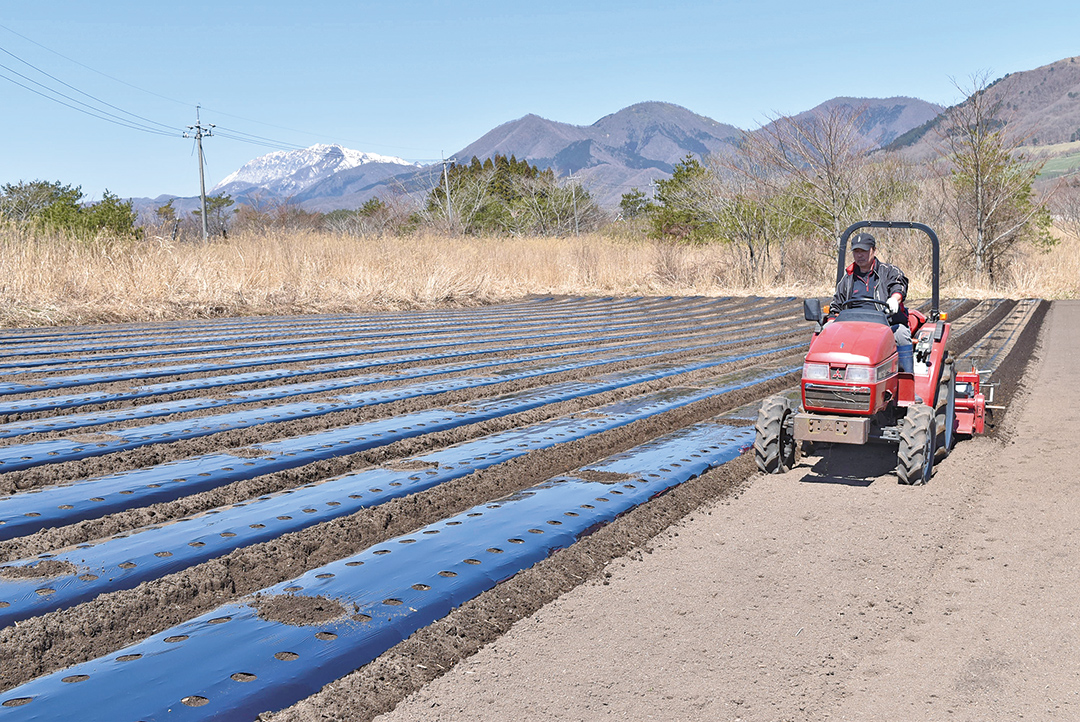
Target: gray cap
(864, 241)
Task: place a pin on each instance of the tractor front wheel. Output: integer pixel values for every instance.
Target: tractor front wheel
(918, 434)
(774, 445)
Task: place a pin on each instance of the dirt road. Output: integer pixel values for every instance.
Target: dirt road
(829, 593)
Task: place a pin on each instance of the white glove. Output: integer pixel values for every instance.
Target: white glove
(894, 304)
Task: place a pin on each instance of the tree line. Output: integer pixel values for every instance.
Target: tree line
(803, 180)
(498, 196)
(785, 190)
(54, 206)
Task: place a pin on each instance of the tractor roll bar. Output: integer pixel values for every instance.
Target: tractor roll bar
(841, 265)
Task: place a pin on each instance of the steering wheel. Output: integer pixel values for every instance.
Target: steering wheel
(858, 302)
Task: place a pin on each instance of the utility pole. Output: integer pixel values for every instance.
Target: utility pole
(446, 180)
(200, 131)
(573, 194)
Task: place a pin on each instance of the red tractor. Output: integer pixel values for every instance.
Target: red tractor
(852, 392)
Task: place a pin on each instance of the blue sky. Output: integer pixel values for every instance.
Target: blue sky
(419, 78)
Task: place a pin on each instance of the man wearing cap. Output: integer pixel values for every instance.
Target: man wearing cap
(868, 278)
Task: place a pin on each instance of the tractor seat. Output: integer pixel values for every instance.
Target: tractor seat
(915, 320)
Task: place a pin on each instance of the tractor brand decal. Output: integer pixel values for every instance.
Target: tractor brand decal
(838, 373)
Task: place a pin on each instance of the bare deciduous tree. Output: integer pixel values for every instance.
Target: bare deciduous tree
(455, 212)
(1066, 206)
(819, 161)
(750, 207)
(545, 208)
(989, 182)
(391, 213)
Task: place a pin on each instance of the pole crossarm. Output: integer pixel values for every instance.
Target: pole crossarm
(201, 131)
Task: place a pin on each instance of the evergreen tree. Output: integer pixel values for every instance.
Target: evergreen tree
(677, 213)
(634, 204)
(112, 215)
(56, 206)
(217, 214)
(24, 201)
(504, 195)
(166, 213)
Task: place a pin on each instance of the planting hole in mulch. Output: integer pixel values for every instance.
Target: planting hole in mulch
(411, 465)
(603, 477)
(44, 568)
(297, 610)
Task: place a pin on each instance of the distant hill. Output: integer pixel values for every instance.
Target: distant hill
(1041, 106)
(881, 120)
(629, 148)
(646, 135)
(643, 142)
(299, 174)
(623, 150)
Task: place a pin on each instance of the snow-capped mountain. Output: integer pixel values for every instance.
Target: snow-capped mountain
(288, 173)
(627, 149)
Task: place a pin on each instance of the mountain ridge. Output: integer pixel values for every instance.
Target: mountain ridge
(1041, 107)
(288, 173)
(641, 143)
(630, 148)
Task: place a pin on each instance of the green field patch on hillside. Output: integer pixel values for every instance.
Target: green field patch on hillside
(1062, 165)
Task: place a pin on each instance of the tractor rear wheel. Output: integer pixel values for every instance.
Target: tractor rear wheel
(945, 413)
(774, 445)
(918, 434)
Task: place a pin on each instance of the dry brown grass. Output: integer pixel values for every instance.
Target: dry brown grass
(54, 280)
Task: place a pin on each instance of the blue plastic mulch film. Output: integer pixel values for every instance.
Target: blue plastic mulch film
(541, 311)
(986, 354)
(38, 404)
(599, 354)
(15, 457)
(565, 329)
(125, 560)
(234, 663)
(124, 336)
(126, 349)
(27, 512)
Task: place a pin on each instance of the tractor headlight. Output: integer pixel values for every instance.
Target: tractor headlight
(815, 372)
(858, 374)
(869, 374)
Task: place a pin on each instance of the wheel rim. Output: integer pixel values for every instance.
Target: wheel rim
(950, 416)
(928, 452)
(786, 443)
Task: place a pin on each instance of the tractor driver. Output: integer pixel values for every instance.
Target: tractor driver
(870, 278)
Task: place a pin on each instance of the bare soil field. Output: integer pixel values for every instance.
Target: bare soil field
(136, 458)
(829, 592)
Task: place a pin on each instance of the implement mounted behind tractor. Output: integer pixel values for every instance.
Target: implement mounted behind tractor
(853, 392)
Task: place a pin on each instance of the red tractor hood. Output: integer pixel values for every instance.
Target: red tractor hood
(852, 342)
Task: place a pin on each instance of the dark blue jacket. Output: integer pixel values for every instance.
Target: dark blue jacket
(888, 279)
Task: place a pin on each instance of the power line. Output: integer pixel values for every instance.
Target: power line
(147, 125)
(86, 108)
(72, 87)
(99, 113)
(316, 135)
(243, 137)
(270, 143)
(93, 70)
